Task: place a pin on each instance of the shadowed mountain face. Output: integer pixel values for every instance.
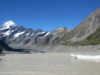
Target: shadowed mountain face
(1, 49)
(6, 47)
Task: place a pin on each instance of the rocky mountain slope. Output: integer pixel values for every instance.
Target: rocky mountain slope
(84, 30)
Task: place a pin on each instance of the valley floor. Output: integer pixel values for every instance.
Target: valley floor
(48, 64)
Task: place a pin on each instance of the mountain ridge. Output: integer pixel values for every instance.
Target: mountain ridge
(22, 36)
(84, 29)
(86, 33)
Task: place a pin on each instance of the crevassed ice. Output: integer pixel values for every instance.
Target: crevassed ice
(18, 34)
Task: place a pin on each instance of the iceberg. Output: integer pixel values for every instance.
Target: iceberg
(85, 57)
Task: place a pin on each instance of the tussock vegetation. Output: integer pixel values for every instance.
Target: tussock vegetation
(93, 39)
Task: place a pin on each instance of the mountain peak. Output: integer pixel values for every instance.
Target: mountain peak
(62, 28)
(9, 23)
(95, 13)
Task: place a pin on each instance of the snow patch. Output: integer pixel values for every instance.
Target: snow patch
(48, 33)
(28, 34)
(18, 34)
(8, 33)
(41, 33)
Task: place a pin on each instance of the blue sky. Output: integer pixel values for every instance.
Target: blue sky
(46, 14)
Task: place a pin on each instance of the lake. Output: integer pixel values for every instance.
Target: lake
(46, 64)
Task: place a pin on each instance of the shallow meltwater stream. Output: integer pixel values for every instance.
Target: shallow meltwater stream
(46, 64)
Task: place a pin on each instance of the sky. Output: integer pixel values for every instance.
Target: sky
(46, 14)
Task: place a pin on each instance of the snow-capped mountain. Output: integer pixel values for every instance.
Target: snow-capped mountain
(7, 25)
(19, 35)
(87, 32)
